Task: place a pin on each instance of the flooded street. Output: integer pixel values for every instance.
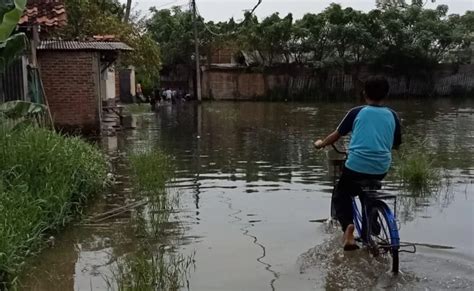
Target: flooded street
(252, 192)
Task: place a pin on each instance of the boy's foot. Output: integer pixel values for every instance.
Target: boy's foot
(349, 240)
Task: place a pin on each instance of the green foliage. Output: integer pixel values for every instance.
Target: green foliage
(151, 170)
(45, 178)
(271, 37)
(414, 167)
(11, 49)
(403, 36)
(152, 271)
(97, 17)
(173, 30)
(137, 108)
(10, 13)
(152, 268)
(18, 114)
(21, 109)
(10, 45)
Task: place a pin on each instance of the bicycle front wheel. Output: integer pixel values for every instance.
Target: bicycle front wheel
(384, 239)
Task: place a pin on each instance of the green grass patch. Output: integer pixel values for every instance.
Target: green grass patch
(154, 265)
(151, 169)
(152, 271)
(45, 178)
(139, 108)
(415, 167)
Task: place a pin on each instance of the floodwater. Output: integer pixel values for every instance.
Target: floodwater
(253, 192)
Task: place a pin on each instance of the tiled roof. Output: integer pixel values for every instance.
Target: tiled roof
(44, 12)
(83, 45)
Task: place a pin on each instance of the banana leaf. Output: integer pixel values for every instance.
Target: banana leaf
(21, 109)
(10, 13)
(11, 49)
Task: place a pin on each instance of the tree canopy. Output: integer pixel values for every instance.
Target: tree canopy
(396, 33)
(11, 46)
(107, 17)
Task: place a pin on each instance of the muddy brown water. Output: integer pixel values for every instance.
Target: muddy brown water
(251, 191)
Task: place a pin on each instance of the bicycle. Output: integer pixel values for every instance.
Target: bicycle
(375, 223)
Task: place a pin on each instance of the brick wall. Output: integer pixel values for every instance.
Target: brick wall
(117, 84)
(222, 55)
(70, 80)
(233, 84)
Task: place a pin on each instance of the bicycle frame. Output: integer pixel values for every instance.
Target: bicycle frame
(357, 217)
(360, 218)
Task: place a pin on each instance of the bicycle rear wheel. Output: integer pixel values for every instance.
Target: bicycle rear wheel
(384, 239)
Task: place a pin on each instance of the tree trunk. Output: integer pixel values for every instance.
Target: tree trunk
(127, 11)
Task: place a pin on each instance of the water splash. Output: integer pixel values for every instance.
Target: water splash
(349, 270)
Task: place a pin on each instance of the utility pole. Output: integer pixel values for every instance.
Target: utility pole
(196, 53)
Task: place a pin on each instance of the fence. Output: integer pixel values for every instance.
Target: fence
(13, 82)
(238, 83)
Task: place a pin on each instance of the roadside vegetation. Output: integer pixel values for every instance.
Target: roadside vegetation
(112, 19)
(404, 36)
(45, 179)
(137, 108)
(154, 264)
(414, 167)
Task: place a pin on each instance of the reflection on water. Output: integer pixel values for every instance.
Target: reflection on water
(251, 188)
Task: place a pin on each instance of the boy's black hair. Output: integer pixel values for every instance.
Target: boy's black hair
(376, 88)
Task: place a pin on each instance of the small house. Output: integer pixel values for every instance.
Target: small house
(78, 78)
(75, 78)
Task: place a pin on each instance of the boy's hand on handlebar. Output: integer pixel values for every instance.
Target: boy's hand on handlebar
(319, 144)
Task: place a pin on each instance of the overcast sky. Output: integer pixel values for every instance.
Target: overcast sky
(217, 10)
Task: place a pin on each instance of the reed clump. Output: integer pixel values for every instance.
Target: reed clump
(415, 167)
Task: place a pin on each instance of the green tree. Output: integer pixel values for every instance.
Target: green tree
(313, 39)
(405, 36)
(173, 30)
(388, 4)
(11, 46)
(105, 17)
(269, 38)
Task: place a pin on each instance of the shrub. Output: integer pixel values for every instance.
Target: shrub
(45, 178)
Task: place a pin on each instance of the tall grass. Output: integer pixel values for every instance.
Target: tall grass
(146, 270)
(45, 178)
(152, 267)
(415, 166)
(151, 169)
(138, 108)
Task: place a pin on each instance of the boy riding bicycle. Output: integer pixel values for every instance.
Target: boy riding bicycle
(375, 132)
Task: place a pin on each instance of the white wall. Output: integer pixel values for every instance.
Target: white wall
(133, 83)
(110, 92)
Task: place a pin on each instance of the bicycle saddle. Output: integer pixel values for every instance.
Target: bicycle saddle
(371, 184)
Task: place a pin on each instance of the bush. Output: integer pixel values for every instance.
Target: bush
(45, 178)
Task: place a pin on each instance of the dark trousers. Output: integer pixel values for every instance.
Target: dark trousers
(347, 188)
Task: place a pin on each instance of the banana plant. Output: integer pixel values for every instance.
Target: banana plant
(11, 46)
(19, 114)
(21, 109)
